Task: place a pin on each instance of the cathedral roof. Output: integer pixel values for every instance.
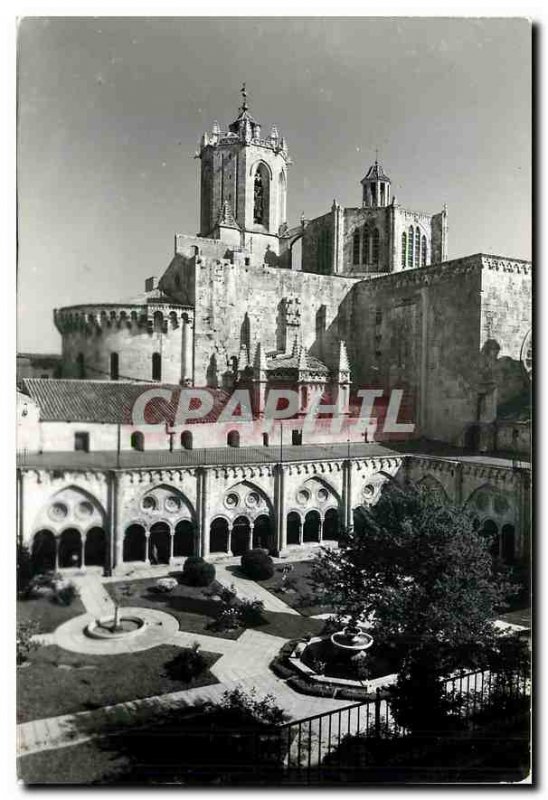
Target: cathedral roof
(297, 361)
(376, 173)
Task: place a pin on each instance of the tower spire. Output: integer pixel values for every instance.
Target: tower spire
(244, 98)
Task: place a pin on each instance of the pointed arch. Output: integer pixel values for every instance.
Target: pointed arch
(410, 246)
(166, 502)
(432, 486)
(424, 252)
(417, 246)
(404, 250)
(376, 246)
(356, 247)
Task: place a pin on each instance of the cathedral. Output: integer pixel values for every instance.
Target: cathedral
(371, 303)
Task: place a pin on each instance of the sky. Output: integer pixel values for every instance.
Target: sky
(111, 110)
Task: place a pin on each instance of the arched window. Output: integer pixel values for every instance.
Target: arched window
(137, 441)
(424, 251)
(156, 367)
(376, 246)
(410, 247)
(282, 199)
(261, 188)
(233, 439)
(403, 250)
(265, 439)
(81, 365)
(382, 194)
(324, 251)
(417, 247)
(356, 248)
(186, 440)
(114, 373)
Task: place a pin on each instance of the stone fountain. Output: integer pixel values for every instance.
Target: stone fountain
(118, 626)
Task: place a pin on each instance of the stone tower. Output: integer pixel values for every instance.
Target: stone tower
(244, 184)
(376, 187)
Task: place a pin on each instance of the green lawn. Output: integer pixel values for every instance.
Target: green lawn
(84, 763)
(195, 610)
(59, 682)
(300, 594)
(193, 606)
(47, 613)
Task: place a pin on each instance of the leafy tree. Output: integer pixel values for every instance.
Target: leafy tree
(419, 570)
(24, 568)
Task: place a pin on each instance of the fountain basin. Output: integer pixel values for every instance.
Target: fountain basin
(353, 641)
(128, 625)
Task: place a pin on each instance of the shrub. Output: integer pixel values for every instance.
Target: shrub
(257, 564)
(64, 593)
(198, 572)
(239, 704)
(188, 664)
(250, 612)
(25, 631)
(24, 568)
(164, 585)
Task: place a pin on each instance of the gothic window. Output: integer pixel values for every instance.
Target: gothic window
(324, 243)
(403, 250)
(376, 246)
(373, 194)
(233, 439)
(114, 373)
(186, 440)
(356, 248)
(382, 194)
(411, 247)
(156, 367)
(424, 251)
(417, 247)
(258, 198)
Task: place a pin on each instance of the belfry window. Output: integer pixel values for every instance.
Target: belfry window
(356, 248)
(382, 194)
(417, 247)
(156, 367)
(81, 366)
(376, 246)
(373, 194)
(137, 441)
(258, 198)
(410, 247)
(403, 249)
(424, 253)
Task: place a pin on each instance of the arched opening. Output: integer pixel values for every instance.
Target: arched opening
(137, 441)
(296, 255)
(70, 548)
(218, 536)
(186, 440)
(183, 543)
(282, 198)
(293, 528)
(134, 544)
(356, 240)
(158, 321)
(239, 541)
(376, 247)
(80, 366)
(156, 367)
(311, 528)
(424, 251)
(403, 250)
(95, 549)
(490, 531)
(417, 247)
(265, 439)
(233, 438)
(296, 437)
(331, 525)
(472, 438)
(261, 192)
(508, 544)
(262, 533)
(358, 522)
(43, 552)
(114, 364)
(159, 544)
(410, 246)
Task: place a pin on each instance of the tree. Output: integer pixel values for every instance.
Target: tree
(422, 574)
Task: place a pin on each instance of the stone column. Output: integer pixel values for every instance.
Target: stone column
(347, 493)
(83, 537)
(57, 540)
(301, 530)
(117, 526)
(280, 518)
(251, 529)
(320, 530)
(229, 540)
(171, 542)
(147, 547)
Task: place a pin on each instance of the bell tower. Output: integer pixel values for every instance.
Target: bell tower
(244, 179)
(376, 188)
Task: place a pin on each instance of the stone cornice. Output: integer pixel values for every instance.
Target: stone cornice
(97, 317)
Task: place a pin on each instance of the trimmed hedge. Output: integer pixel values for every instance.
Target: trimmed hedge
(198, 572)
(257, 564)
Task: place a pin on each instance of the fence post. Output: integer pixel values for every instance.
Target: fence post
(377, 711)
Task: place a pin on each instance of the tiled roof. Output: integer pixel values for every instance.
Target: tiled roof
(376, 173)
(292, 362)
(106, 401)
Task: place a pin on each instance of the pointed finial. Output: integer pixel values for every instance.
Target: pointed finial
(244, 96)
(376, 156)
